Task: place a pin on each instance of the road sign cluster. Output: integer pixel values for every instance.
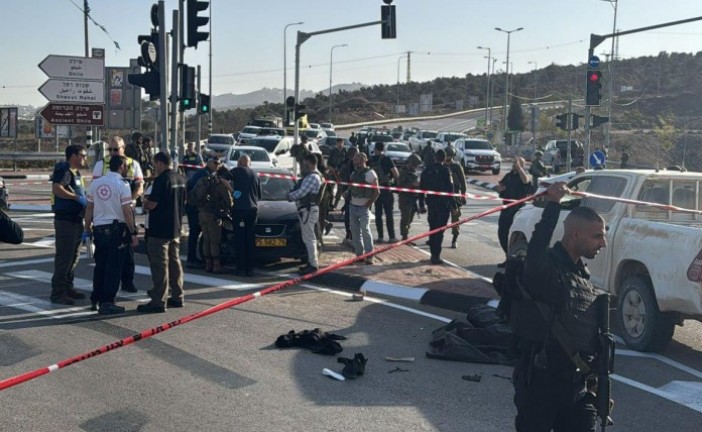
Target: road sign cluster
(75, 90)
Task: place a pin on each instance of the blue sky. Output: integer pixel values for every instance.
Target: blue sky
(248, 38)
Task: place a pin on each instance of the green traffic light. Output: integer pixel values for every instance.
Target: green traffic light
(205, 108)
(186, 102)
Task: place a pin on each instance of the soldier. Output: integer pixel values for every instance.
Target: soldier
(387, 173)
(193, 160)
(459, 186)
(437, 177)
(307, 194)
(192, 211)
(551, 393)
(407, 200)
(337, 157)
(345, 176)
(537, 169)
(213, 195)
(247, 194)
(428, 154)
(514, 185)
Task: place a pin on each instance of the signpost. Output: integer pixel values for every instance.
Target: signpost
(69, 114)
(597, 159)
(63, 90)
(75, 68)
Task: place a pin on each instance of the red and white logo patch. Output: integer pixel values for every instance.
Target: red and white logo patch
(104, 192)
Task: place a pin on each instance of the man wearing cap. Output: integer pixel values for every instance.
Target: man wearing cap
(407, 200)
(191, 210)
(459, 186)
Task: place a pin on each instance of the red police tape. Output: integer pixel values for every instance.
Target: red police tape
(19, 379)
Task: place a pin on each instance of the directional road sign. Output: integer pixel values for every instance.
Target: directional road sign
(597, 159)
(78, 68)
(73, 114)
(594, 62)
(61, 90)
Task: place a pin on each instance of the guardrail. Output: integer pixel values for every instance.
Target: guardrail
(32, 156)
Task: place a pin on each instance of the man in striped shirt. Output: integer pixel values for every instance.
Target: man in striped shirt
(307, 194)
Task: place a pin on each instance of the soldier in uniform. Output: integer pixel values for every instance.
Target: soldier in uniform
(459, 186)
(337, 157)
(550, 392)
(514, 185)
(407, 200)
(428, 154)
(193, 159)
(537, 169)
(437, 177)
(216, 205)
(345, 176)
(308, 194)
(386, 171)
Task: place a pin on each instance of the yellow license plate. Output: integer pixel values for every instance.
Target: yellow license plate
(275, 242)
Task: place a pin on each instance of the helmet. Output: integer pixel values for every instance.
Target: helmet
(414, 159)
(538, 153)
(450, 151)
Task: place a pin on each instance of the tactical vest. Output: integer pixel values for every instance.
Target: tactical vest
(357, 191)
(68, 208)
(130, 165)
(190, 160)
(311, 199)
(384, 178)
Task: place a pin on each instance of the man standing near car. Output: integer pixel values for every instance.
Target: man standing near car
(247, 192)
(68, 202)
(165, 204)
(110, 219)
(337, 156)
(192, 211)
(408, 200)
(514, 185)
(437, 177)
(459, 186)
(308, 193)
(215, 203)
(387, 173)
(537, 169)
(135, 179)
(362, 198)
(192, 161)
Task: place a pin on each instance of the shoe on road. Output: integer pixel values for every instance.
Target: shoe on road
(437, 261)
(110, 309)
(307, 270)
(174, 303)
(328, 227)
(369, 260)
(63, 300)
(75, 294)
(380, 240)
(392, 240)
(150, 308)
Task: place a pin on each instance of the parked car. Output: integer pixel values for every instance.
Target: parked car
(247, 133)
(314, 126)
(398, 152)
(478, 155)
(556, 153)
(328, 143)
(4, 195)
(278, 232)
(219, 144)
(279, 149)
(419, 140)
(313, 134)
(327, 126)
(265, 131)
(260, 158)
(445, 137)
(653, 259)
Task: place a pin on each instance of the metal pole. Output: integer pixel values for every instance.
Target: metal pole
(181, 59)
(492, 87)
(209, 124)
(504, 110)
(569, 122)
(409, 61)
(487, 92)
(610, 72)
(285, 65)
(296, 133)
(199, 117)
(175, 35)
(331, 64)
(163, 72)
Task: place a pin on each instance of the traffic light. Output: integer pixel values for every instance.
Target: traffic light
(187, 87)
(300, 111)
(575, 121)
(387, 16)
(562, 121)
(598, 120)
(289, 105)
(151, 79)
(594, 85)
(203, 103)
(195, 22)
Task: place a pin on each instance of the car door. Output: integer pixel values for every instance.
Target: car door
(282, 154)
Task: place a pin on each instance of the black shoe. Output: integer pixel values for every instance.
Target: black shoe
(502, 264)
(454, 244)
(110, 309)
(307, 270)
(353, 368)
(437, 261)
(129, 289)
(75, 295)
(328, 227)
(174, 303)
(150, 308)
(380, 240)
(63, 300)
(392, 240)
(93, 305)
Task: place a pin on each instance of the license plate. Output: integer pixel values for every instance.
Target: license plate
(275, 242)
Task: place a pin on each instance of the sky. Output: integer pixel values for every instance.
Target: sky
(247, 38)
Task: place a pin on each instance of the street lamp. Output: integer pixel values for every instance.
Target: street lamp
(504, 111)
(536, 76)
(398, 80)
(487, 92)
(492, 88)
(331, 62)
(285, 63)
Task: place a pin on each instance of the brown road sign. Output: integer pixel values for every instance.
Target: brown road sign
(73, 114)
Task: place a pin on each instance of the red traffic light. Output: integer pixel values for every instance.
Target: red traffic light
(594, 76)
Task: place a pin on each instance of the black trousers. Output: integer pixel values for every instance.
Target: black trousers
(244, 222)
(545, 403)
(111, 250)
(347, 218)
(385, 203)
(194, 231)
(504, 223)
(437, 216)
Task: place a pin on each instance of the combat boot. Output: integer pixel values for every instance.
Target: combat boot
(217, 266)
(208, 264)
(454, 242)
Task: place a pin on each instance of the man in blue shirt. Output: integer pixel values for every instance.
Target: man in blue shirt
(246, 191)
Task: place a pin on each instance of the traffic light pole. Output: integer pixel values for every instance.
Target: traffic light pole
(163, 74)
(199, 116)
(569, 122)
(175, 38)
(181, 59)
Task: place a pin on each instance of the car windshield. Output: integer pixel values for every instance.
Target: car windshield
(250, 130)
(256, 155)
(275, 189)
(331, 133)
(311, 133)
(431, 135)
(220, 139)
(268, 144)
(453, 137)
(381, 138)
(477, 145)
(398, 147)
(272, 131)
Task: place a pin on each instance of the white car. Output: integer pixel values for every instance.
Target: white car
(329, 126)
(445, 137)
(260, 158)
(398, 152)
(313, 134)
(478, 155)
(247, 133)
(314, 126)
(279, 149)
(219, 144)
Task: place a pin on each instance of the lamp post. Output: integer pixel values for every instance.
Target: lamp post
(610, 72)
(492, 88)
(504, 111)
(487, 92)
(397, 104)
(536, 76)
(285, 64)
(331, 63)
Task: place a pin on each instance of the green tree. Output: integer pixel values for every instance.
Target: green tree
(666, 135)
(515, 116)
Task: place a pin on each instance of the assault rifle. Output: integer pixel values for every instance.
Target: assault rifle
(605, 363)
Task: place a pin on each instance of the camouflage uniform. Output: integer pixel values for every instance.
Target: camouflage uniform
(459, 186)
(407, 200)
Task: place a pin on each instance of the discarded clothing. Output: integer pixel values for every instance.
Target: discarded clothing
(317, 341)
(353, 368)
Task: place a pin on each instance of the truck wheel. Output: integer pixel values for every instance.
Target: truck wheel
(496, 171)
(518, 247)
(644, 327)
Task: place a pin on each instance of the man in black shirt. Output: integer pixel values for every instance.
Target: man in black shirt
(513, 186)
(10, 231)
(437, 177)
(247, 193)
(166, 205)
(386, 171)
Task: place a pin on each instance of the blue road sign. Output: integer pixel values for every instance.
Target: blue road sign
(597, 159)
(594, 62)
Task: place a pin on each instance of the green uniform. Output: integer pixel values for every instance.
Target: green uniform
(219, 203)
(459, 186)
(407, 200)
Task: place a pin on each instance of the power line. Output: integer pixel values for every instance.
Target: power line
(102, 27)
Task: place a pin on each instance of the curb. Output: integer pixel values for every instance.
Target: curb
(482, 184)
(25, 176)
(30, 207)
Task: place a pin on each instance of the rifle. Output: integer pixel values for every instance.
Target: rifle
(605, 364)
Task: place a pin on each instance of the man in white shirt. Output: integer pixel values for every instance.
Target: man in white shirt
(362, 199)
(135, 179)
(110, 219)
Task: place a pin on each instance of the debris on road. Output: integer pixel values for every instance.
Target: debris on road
(473, 378)
(400, 359)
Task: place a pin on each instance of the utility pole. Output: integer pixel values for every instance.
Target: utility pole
(569, 155)
(175, 41)
(409, 60)
(163, 75)
(181, 59)
(86, 11)
(209, 124)
(199, 117)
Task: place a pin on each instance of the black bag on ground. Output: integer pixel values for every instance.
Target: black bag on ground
(317, 341)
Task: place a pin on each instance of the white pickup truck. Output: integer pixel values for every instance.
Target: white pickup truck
(419, 140)
(653, 259)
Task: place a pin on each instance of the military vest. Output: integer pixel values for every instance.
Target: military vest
(384, 178)
(311, 199)
(357, 191)
(68, 209)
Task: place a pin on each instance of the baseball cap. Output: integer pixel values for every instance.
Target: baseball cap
(213, 159)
